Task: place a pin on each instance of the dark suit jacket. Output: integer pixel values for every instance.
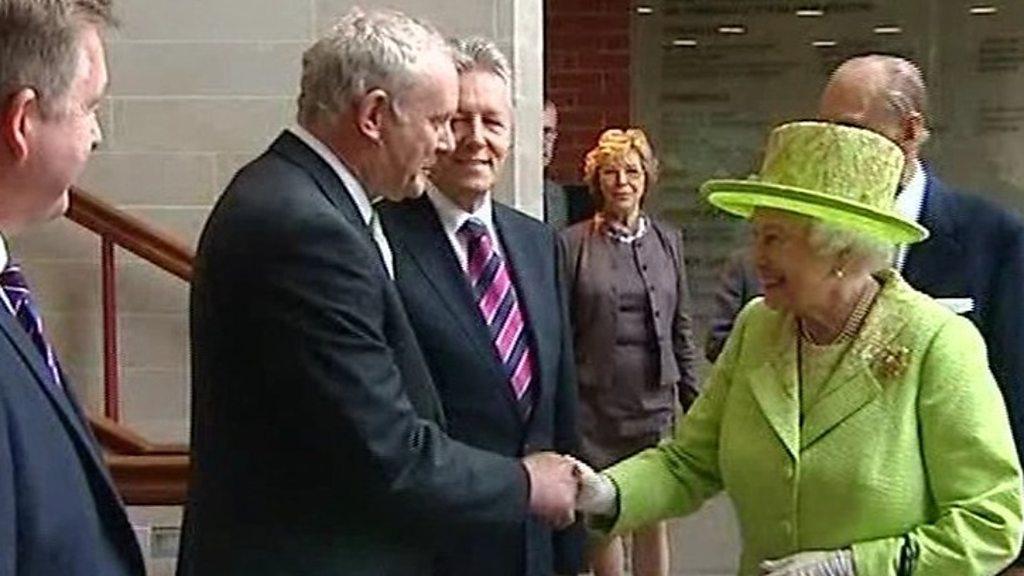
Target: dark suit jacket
(556, 205)
(316, 430)
(59, 512)
(737, 285)
(975, 250)
(476, 394)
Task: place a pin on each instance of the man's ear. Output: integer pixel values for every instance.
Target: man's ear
(16, 121)
(914, 130)
(370, 112)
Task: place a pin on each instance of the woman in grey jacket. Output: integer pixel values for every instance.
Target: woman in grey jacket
(635, 353)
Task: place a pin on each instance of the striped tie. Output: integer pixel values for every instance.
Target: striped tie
(16, 289)
(496, 297)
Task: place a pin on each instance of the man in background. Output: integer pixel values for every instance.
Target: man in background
(556, 203)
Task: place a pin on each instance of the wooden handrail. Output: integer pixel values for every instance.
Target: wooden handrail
(145, 473)
(117, 439)
(131, 233)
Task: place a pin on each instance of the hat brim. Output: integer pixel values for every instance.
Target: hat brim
(742, 197)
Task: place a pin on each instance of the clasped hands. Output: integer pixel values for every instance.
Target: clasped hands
(561, 485)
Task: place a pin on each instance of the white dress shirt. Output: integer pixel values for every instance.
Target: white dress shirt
(908, 204)
(355, 191)
(452, 218)
(4, 257)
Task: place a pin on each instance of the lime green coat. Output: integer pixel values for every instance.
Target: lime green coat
(908, 437)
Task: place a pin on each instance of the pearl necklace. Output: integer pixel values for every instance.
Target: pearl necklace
(853, 322)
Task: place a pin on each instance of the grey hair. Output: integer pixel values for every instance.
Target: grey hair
(39, 42)
(830, 240)
(900, 88)
(363, 51)
(481, 54)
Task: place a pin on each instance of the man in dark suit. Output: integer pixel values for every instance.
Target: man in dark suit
(318, 437)
(556, 202)
(737, 285)
(59, 512)
(973, 262)
(480, 284)
(974, 259)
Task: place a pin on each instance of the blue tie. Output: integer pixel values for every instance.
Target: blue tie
(17, 292)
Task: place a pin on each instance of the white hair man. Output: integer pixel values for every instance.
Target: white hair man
(59, 512)
(479, 284)
(317, 434)
(974, 259)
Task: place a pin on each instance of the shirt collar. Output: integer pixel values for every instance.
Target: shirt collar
(4, 255)
(619, 232)
(454, 216)
(911, 198)
(351, 183)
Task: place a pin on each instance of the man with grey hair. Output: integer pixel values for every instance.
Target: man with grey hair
(974, 259)
(479, 283)
(60, 514)
(318, 437)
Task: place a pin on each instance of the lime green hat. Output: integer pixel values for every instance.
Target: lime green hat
(840, 174)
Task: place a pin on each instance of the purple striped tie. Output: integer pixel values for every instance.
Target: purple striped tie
(16, 289)
(496, 297)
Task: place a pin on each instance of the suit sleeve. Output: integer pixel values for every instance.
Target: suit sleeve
(1004, 328)
(973, 472)
(730, 297)
(8, 497)
(568, 543)
(683, 346)
(324, 301)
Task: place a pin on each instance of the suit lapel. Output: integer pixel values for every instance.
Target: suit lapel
(852, 386)
(775, 385)
(423, 238)
(62, 401)
(854, 382)
(297, 152)
(927, 267)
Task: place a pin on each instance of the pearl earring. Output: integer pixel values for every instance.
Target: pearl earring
(840, 273)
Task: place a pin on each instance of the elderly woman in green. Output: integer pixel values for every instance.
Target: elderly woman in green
(852, 420)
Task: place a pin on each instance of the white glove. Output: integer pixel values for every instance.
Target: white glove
(597, 492)
(814, 563)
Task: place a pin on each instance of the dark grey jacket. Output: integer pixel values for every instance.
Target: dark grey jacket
(593, 314)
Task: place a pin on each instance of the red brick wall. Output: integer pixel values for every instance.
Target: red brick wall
(587, 75)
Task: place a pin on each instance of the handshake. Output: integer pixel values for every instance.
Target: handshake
(560, 485)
